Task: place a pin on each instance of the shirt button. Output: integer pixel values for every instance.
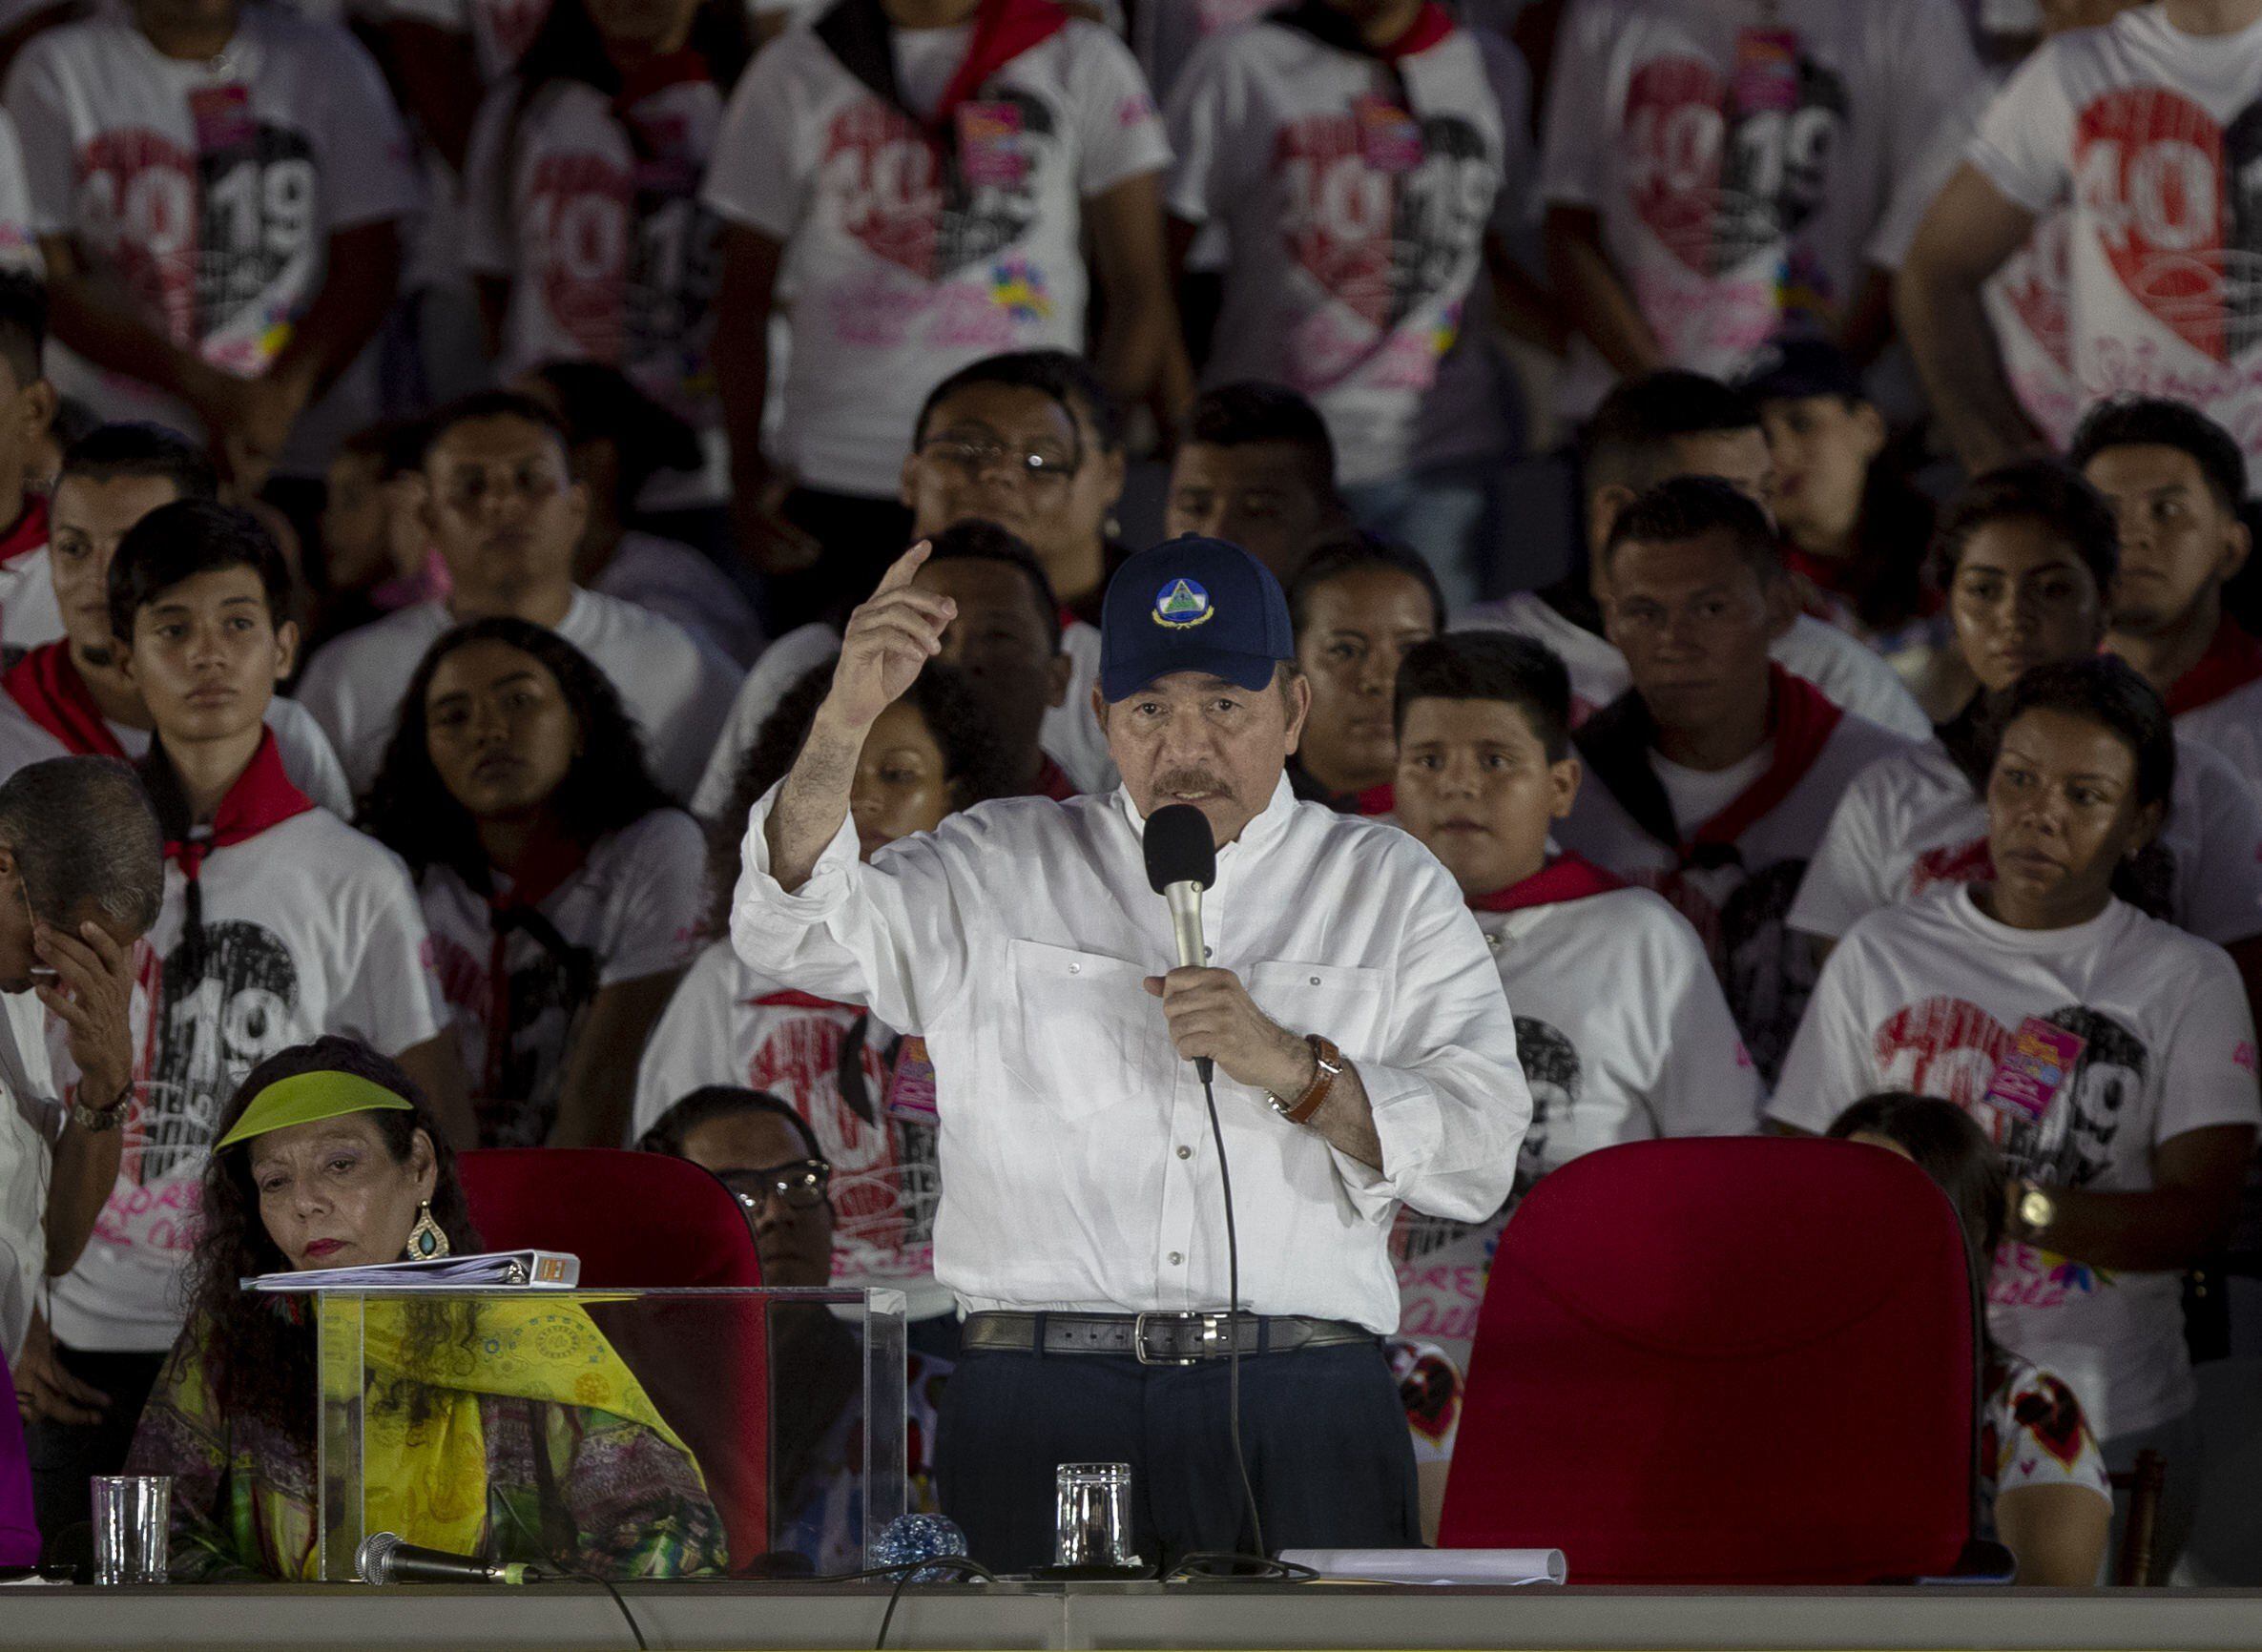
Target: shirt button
(1075, 969)
(1315, 980)
(1186, 1152)
(1209, 952)
(1175, 1259)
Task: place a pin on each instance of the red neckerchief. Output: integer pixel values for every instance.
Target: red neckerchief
(262, 797)
(1374, 801)
(47, 685)
(1801, 720)
(29, 532)
(1053, 782)
(1566, 878)
(804, 1000)
(551, 861)
(1430, 25)
(2233, 660)
(1002, 31)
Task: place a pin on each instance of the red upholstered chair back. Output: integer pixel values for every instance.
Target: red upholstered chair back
(1725, 1361)
(644, 1221)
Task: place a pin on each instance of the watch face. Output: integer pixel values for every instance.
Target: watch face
(2036, 1208)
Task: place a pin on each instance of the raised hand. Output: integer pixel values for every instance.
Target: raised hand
(888, 642)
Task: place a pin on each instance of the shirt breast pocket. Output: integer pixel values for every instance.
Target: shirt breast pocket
(1087, 1034)
(1346, 1005)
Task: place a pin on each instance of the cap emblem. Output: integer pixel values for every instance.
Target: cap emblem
(1182, 605)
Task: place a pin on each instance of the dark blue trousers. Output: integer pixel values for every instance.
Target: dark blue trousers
(1324, 1432)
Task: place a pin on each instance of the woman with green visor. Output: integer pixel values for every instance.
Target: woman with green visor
(537, 1445)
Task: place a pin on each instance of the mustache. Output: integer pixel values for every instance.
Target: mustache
(1190, 781)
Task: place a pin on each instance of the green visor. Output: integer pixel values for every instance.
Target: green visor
(304, 1098)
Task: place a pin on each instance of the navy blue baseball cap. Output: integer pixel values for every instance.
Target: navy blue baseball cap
(1192, 605)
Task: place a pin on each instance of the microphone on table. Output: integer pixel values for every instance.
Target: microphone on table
(1181, 862)
(386, 1558)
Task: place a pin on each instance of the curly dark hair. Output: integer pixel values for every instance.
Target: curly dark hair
(972, 761)
(610, 785)
(259, 1358)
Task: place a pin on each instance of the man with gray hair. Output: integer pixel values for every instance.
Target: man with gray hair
(81, 875)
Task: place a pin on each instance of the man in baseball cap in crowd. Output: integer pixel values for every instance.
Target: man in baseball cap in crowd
(1364, 1056)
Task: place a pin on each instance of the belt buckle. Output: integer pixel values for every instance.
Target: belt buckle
(1210, 1323)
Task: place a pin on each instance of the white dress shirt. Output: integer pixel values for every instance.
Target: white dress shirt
(1077, 1166)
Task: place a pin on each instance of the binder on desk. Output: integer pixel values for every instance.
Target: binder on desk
(552, 1268)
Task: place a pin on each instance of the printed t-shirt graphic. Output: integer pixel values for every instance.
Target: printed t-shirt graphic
(2150, 140)
(1356, 189)
(209, 190)
(920, 238)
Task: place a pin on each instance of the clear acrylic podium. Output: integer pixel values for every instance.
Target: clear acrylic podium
(614, 1434)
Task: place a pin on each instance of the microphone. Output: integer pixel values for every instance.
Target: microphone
(1181, 862)
(385, 1558)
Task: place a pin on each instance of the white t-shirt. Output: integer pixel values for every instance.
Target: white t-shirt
(299, 739)
(1929, 995)
(29, 616)
(29, 1119)
(676, 581)
(2232, 728)
(1852, 675)
(310, 928)
(1166, 36)
(210, 191)
(1070, 735)
(729, 1025)
(1749, 161)
(1355, 197)
(677, 690)
(19, 241)
(2145, 136)
(593, 213)
(904, 271)
(1914, 820)
(1739, 908)
(633, 906)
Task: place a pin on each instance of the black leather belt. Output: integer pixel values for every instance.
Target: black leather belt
(1156, 1338)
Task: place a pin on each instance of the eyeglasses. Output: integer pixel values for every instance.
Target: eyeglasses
(978, 456)
(802, 1185)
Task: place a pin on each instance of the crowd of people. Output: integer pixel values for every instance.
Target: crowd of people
(457, 464)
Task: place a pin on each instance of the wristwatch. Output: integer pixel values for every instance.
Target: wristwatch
(1330, 1068)
(2033, 1211)
(96, 1120)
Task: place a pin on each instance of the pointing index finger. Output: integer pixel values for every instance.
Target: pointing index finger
(898, 575)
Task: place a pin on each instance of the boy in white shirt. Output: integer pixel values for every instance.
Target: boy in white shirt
(72, 695)
(219, 192)
(1620, 1021)
(508, 517)
(279, 923)
(1719, 173)
(1715, 775)
(926, 175)
(2176, 480)
(1646, 431)
(2142, 133)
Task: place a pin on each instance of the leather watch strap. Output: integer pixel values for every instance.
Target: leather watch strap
(1330, 1065)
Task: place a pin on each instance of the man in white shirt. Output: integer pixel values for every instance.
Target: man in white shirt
(1714, 778)
(81, 862)
(2143, 133)
(71, 696)
(1650, 430)
(503, 507)
(1256, 468)
(2176, 481)
(1080, 1224)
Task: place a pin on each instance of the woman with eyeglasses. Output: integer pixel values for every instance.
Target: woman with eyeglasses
(760, 1148)
(561, 888)
(866, 1095)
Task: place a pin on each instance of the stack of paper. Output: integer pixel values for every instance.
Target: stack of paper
(552, 1267)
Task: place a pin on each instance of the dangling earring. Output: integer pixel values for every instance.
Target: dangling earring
(426, 1241)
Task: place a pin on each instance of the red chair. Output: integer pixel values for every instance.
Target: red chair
(644, 1221)
(1725, 1361)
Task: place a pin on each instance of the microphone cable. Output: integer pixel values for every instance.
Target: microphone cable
(1232, 1323)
